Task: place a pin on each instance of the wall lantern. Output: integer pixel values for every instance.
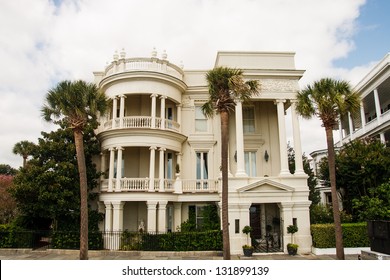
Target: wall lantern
(266, 156)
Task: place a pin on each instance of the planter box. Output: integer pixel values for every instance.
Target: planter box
(379, 234)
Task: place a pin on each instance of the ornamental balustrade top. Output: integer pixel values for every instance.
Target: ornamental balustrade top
(167, 185)
(140, 122)
(144, 64)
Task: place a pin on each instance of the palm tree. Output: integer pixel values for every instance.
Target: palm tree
(23, 148)
(329, 100)
(77, 104)
(226, 86)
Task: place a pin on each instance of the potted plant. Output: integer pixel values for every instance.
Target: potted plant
(248, 249)
(292, 248)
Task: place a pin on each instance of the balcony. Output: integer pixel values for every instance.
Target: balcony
(164, 185)
(140, 122)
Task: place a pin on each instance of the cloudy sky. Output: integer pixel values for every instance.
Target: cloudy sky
(45, 41)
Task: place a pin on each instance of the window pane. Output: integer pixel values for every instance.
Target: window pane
(205, 166)
(248, 119)
(253, 164)
(198, 166)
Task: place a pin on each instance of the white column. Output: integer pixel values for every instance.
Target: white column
(240, 172)
(122, 110)
(117, 224)
(162, 113)
(377, 106)
(151, 167)
(362, 116)
(287, 217)
(382, 137)
(350, 125)
(161, 170)
(162, 216)
(102, 164)
(176, 215)
(152, 215)
(341, 133)
(282, 138)
(118, 169)
(153, 112)
(108, 216)
(111, 169)
(178, 108)
(297, 140)
(114, 110)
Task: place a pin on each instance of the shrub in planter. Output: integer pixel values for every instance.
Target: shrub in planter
(292, 249)
(247, 249)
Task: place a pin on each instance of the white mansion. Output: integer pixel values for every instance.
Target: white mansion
(161, 155)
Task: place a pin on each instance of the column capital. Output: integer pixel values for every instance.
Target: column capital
(154, 95)
(151, 204)
(278, 101)
(162, 204)
(162, 149)
(115, 97)
(119, 148)
(179, 105)
(153, 148)
(111, 149)
(294, 101)
(108, 204)
(163, 97)
(118, 204)
(122, 96)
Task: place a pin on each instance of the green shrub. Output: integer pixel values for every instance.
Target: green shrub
(15, 237)
(322, 214)
(172, 241)
(354, 235)
(71, 240)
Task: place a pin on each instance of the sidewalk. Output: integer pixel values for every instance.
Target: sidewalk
(28, 254)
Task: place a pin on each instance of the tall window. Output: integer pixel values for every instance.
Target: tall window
(202, 169)
(248, 119)
(250, 163)
(200, 120)
(169, 166)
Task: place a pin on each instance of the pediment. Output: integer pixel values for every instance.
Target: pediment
(266, 185)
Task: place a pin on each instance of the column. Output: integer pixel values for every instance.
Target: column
(297, 140)
(350, 125)
(102, 165)
(108, 216)
(382, 137)
(282, 138)
(178, 108)
(240, 172)
(377, 106)
(111, 169)
(161, 170)
(122, 110)
(151, 167)
(151, 208)
(162, 216)
(117, 221)
(287, 217)
(341, 133)
(118, 169)
(153, 110)
(176, 215)
(162, 109)
(114, 110)
(362, 116)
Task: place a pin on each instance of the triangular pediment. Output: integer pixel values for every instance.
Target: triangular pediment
(266, 185)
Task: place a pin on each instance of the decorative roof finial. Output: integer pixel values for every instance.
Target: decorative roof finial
(154, 52)
(116, 57)
(164, 55)
(123, 54)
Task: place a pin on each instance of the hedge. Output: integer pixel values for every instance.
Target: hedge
(354, 235)
(173, 241)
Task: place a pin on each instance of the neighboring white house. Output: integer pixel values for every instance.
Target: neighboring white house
(372, 121)
(156, 123)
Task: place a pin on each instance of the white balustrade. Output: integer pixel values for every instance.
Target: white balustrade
(195, 186)
(141, 122)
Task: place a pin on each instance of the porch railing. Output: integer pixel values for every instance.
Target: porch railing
(167, 185)
(140, 122)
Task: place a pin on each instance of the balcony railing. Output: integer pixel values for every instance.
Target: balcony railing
(140, 122)
(164, 185)
(144, 64)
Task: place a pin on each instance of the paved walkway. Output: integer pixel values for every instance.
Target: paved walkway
(27, 254)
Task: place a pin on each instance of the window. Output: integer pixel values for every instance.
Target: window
(169, 166)
(201, 170)
(196, 215)
(248, 119)
(250, 163)
(200, 120)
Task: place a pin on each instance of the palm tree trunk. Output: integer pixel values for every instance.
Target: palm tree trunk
(335, 200)
(78, 137)
(224, 165)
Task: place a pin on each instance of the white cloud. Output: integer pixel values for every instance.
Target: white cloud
(45, 42)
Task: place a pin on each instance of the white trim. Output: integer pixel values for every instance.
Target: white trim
(332, 251)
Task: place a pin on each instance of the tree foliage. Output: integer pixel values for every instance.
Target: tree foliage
(362, 165)
(47, 191)
(6, 169)
(7, 203)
